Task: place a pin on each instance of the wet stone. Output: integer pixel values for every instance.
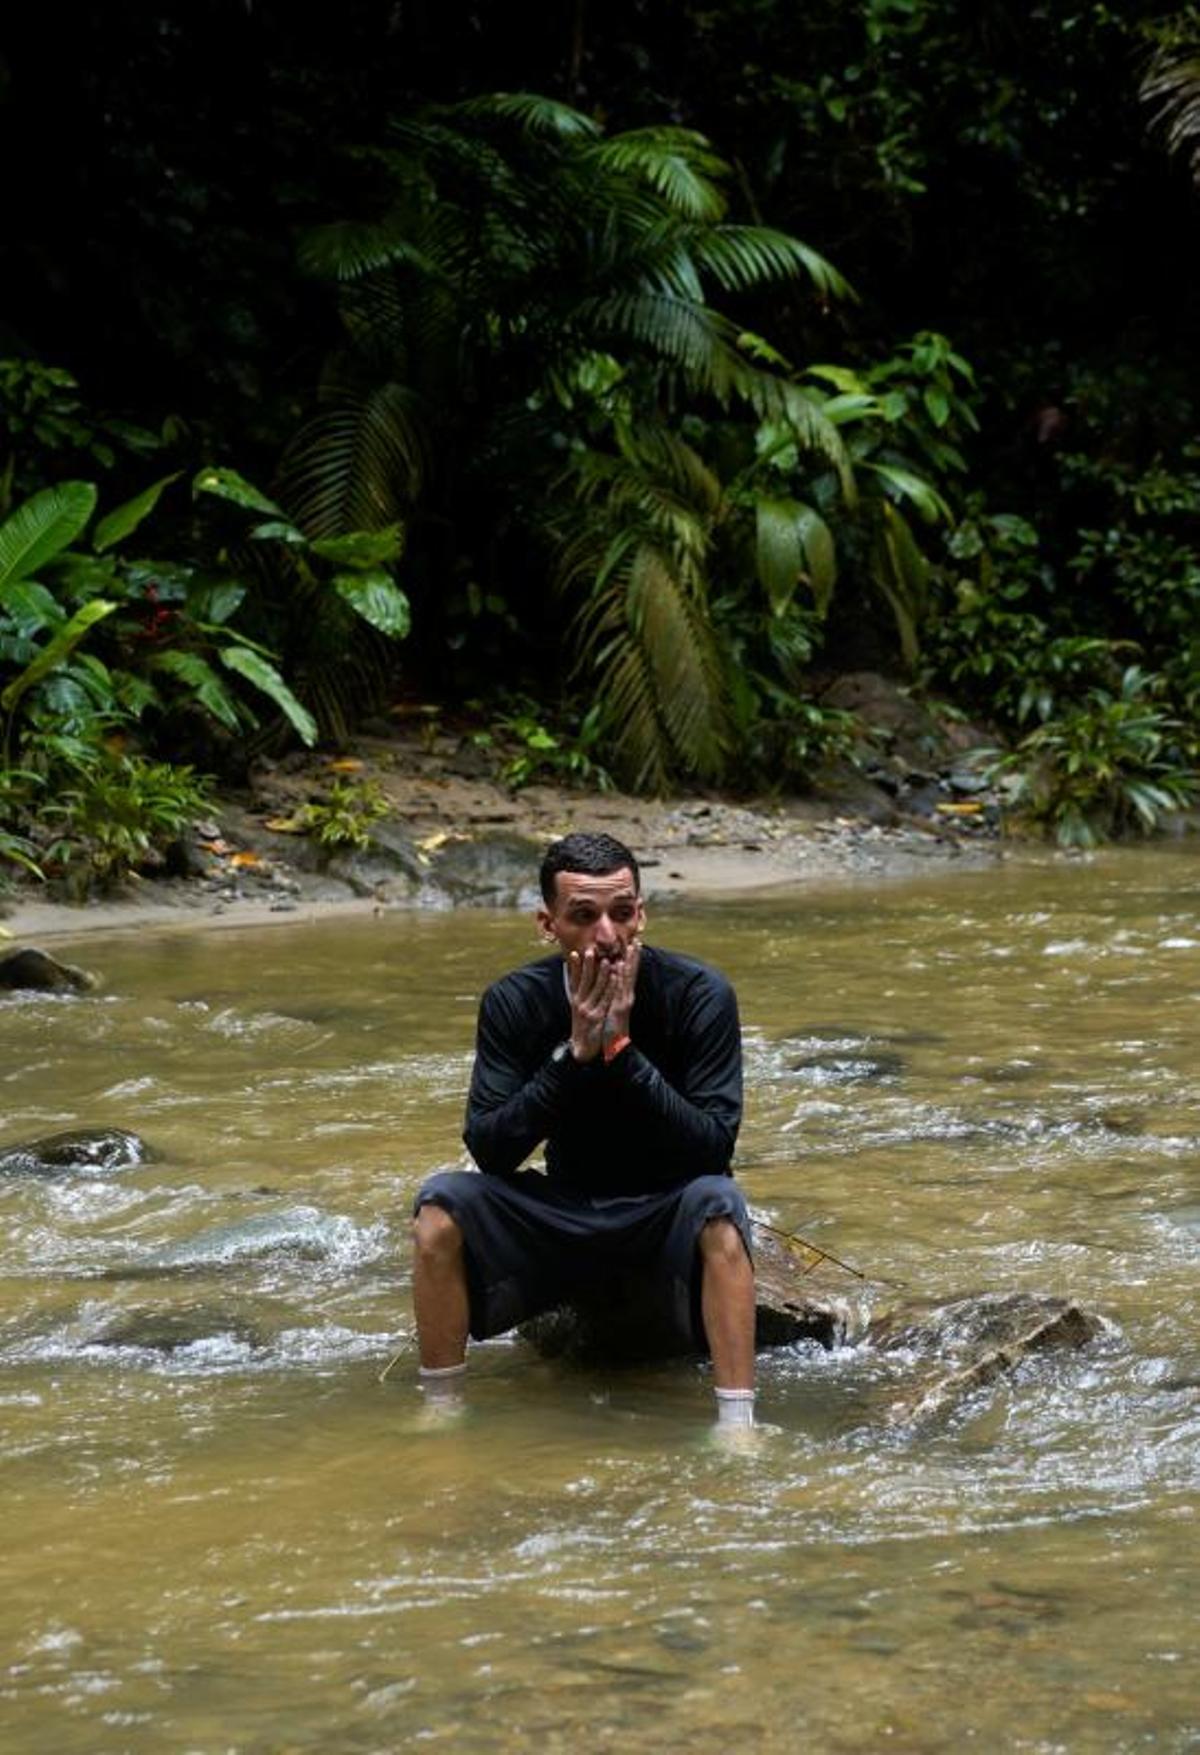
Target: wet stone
(490, 871)
(170, 1331)
(33, 971)
(848, 1069)
(301, 1232)
(101, 1149)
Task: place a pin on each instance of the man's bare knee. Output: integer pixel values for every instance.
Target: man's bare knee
(720, 1240)
(436, 1236)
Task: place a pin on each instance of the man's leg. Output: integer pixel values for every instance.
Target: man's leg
(727, 1304)
(439, 1290)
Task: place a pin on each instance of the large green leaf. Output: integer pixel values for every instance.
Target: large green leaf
(123, 520)
(206, 686)
(32, 608)
(43, 527)
(227, 484)
(793, 543)
(377, 599)
(264, 676)
(362, 549)
(57, 651)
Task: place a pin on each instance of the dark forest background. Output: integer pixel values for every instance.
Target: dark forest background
(744, 345)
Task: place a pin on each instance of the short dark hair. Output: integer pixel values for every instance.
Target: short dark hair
(597, 855)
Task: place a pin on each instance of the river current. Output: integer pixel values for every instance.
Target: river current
(223, 1532)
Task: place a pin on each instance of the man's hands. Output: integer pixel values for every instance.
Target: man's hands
(602, 992)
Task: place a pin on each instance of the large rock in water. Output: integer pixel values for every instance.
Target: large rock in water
(969, 1341)
(628, 1325)
(975, 1341)
(88, 1150)
(34, 971)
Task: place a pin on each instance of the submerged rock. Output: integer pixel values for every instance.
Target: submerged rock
(975, 1339)
(986, 1337)
(303, 1232)
(849, 1068)
(58, 1154)
(169, 1331)
(29, 970)
(631, 1325)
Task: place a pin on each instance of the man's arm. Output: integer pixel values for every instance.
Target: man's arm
(510, 1108)
(698, 1123)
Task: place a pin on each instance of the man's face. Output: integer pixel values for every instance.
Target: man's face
(604, 914)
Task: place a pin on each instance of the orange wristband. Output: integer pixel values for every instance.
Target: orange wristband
(613, 1048)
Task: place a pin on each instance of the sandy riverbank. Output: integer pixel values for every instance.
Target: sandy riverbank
(248, 873)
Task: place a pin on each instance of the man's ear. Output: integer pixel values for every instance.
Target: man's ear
(545, 925)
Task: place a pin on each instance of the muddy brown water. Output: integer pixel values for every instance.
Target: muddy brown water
(222, 1533)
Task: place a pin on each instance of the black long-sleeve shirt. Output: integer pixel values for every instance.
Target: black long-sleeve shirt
(665, 1110)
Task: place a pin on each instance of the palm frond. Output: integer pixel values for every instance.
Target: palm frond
(357, 465)
(697, 339)
(532, 113)
(679, 165)
(777, 399)
(665, 606)
(467, 159)
(613, 660)
(741, 256)
(348, 249)
(1172, 85)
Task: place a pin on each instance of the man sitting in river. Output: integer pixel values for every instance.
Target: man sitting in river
(626, 1061)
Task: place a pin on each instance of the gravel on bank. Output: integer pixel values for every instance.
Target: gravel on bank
(689, 849)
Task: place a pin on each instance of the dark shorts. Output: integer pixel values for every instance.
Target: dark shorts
(531, 1245)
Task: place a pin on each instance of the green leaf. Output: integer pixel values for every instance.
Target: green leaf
(123, 520)
(43, 527)
(58, 650)
(843, 409)
(937, 404)
(279, 530)
(914, 488)
(362, 549)
(533, 112)
(377, 599)
(255, 668)
(33, 609)
(841, 377)
(215, 600)
(79, 576)
(227, 484)
(793, 544)
(204, 683)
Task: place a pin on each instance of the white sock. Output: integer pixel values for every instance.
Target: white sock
(735, 1407)
(442, 1383)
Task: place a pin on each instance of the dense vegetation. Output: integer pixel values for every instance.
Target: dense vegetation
(733, 347)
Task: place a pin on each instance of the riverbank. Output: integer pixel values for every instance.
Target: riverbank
(454, 835)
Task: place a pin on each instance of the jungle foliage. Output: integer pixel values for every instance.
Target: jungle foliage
(729, 348)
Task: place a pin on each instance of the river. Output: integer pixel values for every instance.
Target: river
(223, 1533)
